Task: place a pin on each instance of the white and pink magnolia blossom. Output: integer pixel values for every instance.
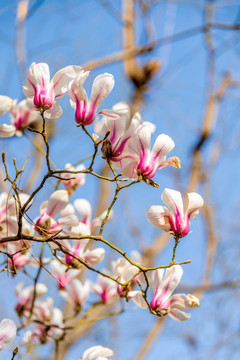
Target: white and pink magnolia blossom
(86, 109)
(44, 92)
(124, 272)
(62, 274)
(177, 218)
(140, 159)
(8, 332)
(5, 104)
(97, 352)
(85, 210)
(25, 297)
(76, 293)
(73, 181)
(163, 302)
(22, 115)
(52, 318)
(46, 223)
(80, 249)
(105, 287)
(117, 123)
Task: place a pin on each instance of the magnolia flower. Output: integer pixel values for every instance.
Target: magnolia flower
(73, 181)
(46, 223)
(86, 110)
(105, 287)
(25, 297)
(8, 332)
(62, 274)
(85, 210)
(5, 104)
(163, 302)
(52, 318)
(177, 219)
(124, 272)
(116, 122)
(80, 249)
(140, 159)
(97, 352)
(76, 293)
(22, 115)
(44, 92)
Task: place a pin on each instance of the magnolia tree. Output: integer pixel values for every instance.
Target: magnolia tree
(67, 228)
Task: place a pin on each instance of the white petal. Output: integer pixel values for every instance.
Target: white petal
(173, 200)
(61, 79)
(76, 90)
(54, 112)
(171, 280)
(5, 104)
(136, 296)
(163, 145)
(57, 202)
(8, 331)
(93, 257)
(178, 315)
(159, 216)
(84, 208)
(193, 204)
(102, 86)
(7, 130)
(96, 351)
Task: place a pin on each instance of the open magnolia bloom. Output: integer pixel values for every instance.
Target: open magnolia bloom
(62, 274)
(73, 181)
(105, 287)
(76, 293)
(22, 114)
(8, 332)
(177, 219)
(44, 92)
(139, 157)
(84, 208)
(97, 352)
(86, 110)
(117, 123)
(163, 302)
(25, 297)
(46, 223)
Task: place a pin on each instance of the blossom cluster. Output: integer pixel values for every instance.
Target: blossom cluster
(69, 228)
